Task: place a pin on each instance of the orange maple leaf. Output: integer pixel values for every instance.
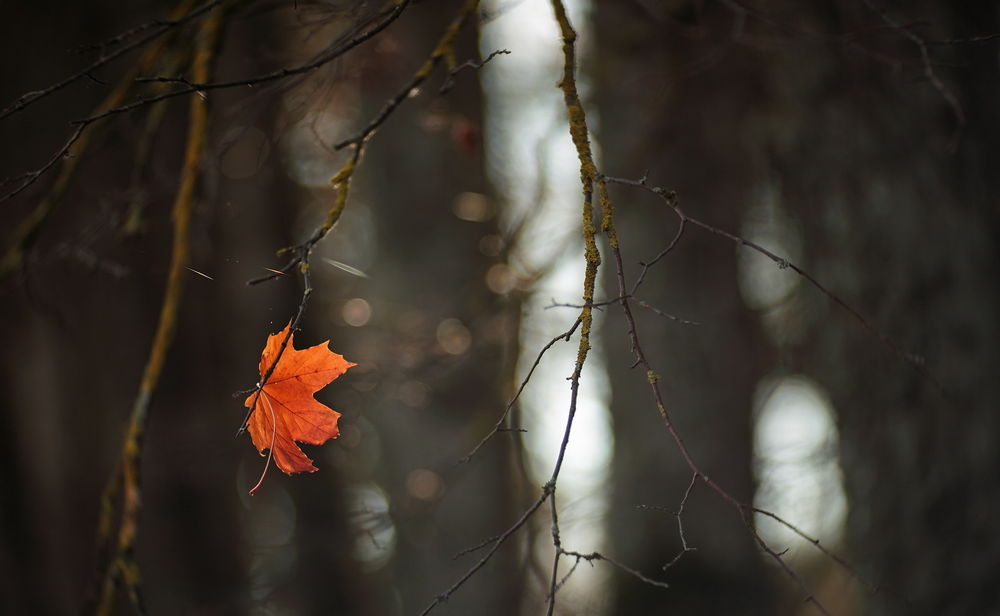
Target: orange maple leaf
(284, 410)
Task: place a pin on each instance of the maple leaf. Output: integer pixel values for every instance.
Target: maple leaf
(284, 410)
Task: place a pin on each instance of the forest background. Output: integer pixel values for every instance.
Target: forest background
(657, 307)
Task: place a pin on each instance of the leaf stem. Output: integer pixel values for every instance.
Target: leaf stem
(270, 450)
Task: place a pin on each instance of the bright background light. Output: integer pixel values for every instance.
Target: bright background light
(796, 464)
(533, 164)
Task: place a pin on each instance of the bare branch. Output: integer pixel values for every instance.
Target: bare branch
(524, 382)
(629, 570)
(654, 382)
(332, 53)
(449, 82)
(122, 566)
(929, 73)
(162, 27)
(916, 361)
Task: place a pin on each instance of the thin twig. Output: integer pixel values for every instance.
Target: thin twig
(70, 156)
(192, 87)
(809, 597)
(524, 383)
(557, 544)
(629, 570)
(162, 27)
(666, 315)
(441, 51)
(654, 382)
(685, 548)
(916, 361)
(449, 82)
(499, 541)
(375, 26)
(649, 264)
(983, 38)
(929, 73)
(616, 300)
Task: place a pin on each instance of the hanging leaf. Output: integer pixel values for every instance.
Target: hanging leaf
(285, 410)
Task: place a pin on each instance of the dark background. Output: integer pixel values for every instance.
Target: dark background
(875, 126)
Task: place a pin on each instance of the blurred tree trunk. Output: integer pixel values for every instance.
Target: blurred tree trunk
(908, 232)
(856, 136)
(658, 117)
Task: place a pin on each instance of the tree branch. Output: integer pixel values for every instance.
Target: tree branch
(123, 566)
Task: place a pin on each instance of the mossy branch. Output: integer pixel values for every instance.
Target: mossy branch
(123, 567)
